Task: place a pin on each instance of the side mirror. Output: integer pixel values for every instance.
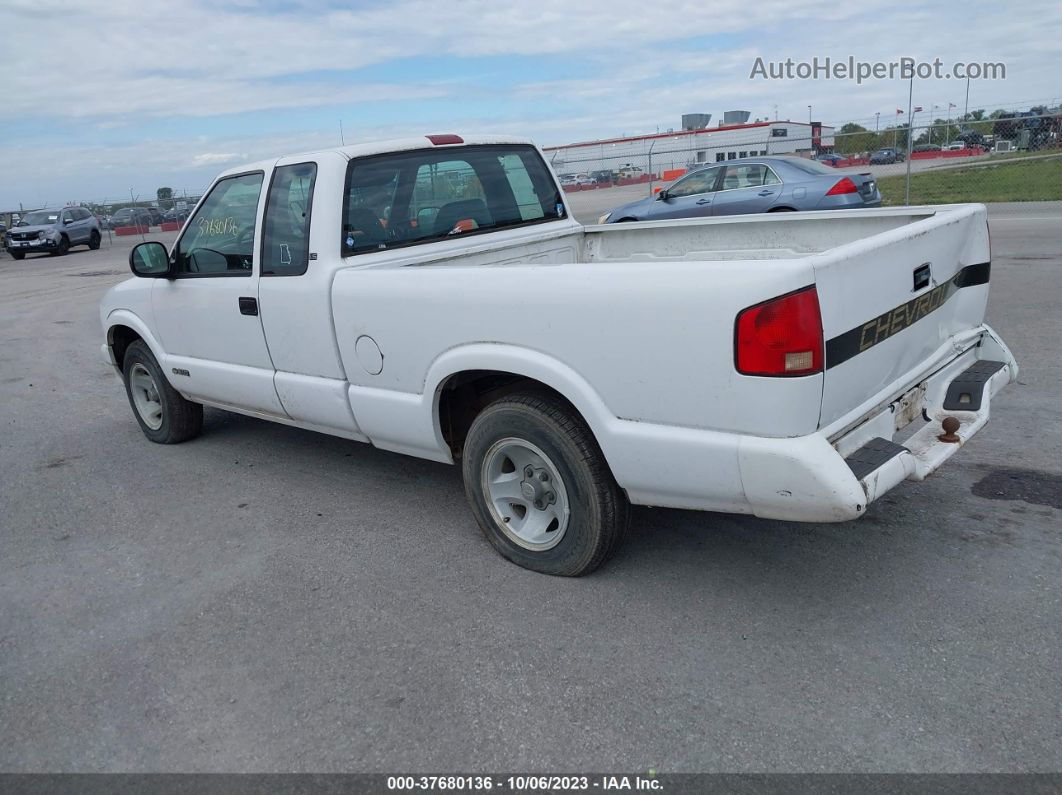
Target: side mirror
(662, 196)
(150, 260)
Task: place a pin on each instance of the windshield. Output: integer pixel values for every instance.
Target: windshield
(40, 218)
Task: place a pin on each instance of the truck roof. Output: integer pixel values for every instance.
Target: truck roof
(383, 147)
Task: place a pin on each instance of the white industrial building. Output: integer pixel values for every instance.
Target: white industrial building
(684, 149)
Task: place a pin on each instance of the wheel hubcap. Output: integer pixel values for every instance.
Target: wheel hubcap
(145, 396)
(525, 494)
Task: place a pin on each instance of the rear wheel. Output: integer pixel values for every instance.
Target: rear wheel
(164, 415)
(540, 488)
(94, 240)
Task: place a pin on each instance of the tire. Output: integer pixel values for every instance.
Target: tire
(64, 246)
(164, 416)
(17, 254)
(525, 435)
(94, 240)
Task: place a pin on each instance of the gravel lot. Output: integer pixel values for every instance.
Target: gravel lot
(270, 599)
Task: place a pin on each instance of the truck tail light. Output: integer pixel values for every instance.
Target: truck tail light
(843, 186)
(780, 337)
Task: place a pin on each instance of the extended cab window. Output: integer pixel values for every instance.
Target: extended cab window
(406, 198)
(286, 226)
(219, 238)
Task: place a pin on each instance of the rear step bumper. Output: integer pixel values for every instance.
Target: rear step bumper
(834, 475)
(926, 449)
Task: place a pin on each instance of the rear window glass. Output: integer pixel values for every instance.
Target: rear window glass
(810, 166)
(407, 198)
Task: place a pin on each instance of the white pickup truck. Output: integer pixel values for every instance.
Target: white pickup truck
(434, 296)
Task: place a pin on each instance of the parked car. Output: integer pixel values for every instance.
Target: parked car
(175, 215)
(584, 179)
(760, 185)
(53, 231)
(630, 172)
(886, 157)
(955, 146)
(830, 159)
(757, 365)
(566, 179)
(131, 216)
(603, 177)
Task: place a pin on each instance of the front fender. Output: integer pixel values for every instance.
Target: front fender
(125, 317)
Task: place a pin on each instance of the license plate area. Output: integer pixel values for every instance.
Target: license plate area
(908, 407)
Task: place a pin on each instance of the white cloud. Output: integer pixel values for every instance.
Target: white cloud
(109, 64)
(216, 158)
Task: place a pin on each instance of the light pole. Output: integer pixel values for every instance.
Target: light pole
(966, 111)
(910, 137)
(877, 121)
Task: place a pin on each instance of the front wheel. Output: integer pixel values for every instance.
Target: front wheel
(94, 240)
(164, 415)
(540, 488)
(64, 246)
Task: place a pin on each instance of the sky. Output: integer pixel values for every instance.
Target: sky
(100, 99)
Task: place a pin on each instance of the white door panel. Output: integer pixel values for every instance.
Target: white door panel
(208, 318)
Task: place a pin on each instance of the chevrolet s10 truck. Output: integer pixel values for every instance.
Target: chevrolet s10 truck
(434, 296)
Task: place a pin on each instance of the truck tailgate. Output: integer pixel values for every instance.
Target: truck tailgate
(890, 301)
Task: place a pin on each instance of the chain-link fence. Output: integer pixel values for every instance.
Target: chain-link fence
(132, 217)
(986, 160)
(1013, 158)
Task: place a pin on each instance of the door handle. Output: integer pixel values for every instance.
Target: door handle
(248, 306)
(704, 201)
(766, 193)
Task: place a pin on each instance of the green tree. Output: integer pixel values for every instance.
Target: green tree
(165, 197)
(853, 138)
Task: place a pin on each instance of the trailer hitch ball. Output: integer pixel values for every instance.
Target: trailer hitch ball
(950, 426)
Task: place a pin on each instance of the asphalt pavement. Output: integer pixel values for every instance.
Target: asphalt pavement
(270, 599)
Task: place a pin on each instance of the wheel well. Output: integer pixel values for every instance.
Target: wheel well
(782, 209)
(120, 338)
(625, 220)
(464, 395)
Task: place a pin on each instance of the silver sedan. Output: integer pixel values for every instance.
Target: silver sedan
(753, 185)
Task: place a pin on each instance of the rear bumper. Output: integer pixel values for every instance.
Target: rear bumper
(831, 475)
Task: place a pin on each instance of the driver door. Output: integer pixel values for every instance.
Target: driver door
(690, 197)
(207, 316)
